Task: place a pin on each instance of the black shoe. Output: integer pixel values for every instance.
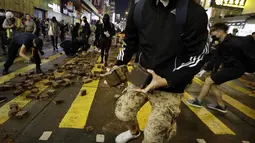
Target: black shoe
(5, 72)
(194, 103)
(2, 99)
(38, 70)
(105, 64)
(217, 107)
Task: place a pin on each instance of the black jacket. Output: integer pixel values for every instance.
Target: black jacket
(158, 43)
(230, 53)
(107, 27)
(86, 30)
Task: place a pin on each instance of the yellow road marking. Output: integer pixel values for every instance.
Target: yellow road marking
(77, 115)
(22, 101)
(213, 123)
(20, 59)
(241, 107)
(241, 89)
(25, 69)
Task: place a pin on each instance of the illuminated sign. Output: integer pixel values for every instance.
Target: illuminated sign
(55, 7)
(231, 3)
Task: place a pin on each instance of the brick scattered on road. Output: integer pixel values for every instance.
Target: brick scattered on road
(32, 96)
(100, 138)
(90, 129)
(21, 114)
(58, 101)
(83, 92)
(17, 92)
(51, 92)
(87, 80)
(14, 109)
(117, 96)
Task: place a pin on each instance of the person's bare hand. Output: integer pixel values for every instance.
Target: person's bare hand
(156, 82)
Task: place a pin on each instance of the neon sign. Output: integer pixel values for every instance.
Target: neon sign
(231, 3)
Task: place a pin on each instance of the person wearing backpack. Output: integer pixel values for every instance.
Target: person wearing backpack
(106, 33)
(170, 40)
(231, 52)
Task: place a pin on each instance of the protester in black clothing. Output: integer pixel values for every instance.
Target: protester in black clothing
(3, 37)
(75, 31)
(173, 51)
(24, 42)
(85, 33)
(107, 31)
(43, 27)
(62, 31)
(37, 23)
(231, 55)
(97, 33)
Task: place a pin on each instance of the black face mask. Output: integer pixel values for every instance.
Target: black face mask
(215, 38)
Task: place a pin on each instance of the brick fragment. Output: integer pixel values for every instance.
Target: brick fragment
(17, 92)
(83, 92)
(87, 80)
(35, 90)
(32, 96)
(58, 101)
(21, 114)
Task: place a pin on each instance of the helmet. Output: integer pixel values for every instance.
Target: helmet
(9, 15)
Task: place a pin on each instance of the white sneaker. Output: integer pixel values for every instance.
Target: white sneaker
(125, 137)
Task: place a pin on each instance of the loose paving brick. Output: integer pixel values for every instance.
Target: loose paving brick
(58, 101)
(87, 80)
(83, 92)
(35, 90)
(21, 114)
(17, 92)
(33, 96)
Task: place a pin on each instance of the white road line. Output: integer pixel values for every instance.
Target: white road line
(45, 136)
(245, 142)
(201, 141)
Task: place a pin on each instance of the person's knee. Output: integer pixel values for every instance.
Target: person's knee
(209, 81)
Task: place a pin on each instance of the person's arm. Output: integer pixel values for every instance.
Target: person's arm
(22, 53)
(34, 27)
(6, 26)
(113, 32)
(131, 41)
(196, 43)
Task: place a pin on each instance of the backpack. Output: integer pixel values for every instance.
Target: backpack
(248, 48)
(181, 14)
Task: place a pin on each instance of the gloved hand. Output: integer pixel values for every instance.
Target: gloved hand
(106, 33)
(32, 60)
(41, 52)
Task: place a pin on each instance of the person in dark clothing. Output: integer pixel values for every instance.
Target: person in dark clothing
(85, 33)
(24, 42)
(3, 37)
(75, 31)
(173, 57)
(43, 27)
(97, 33)
(62, 31)
(231, 54)
(37, 24)
(107, 31)
(253, 35)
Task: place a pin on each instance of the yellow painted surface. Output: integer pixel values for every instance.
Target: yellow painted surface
(77, 115)
(236, 104)
(212, 122)
(20, 59)
(21, 100)
(25, 69)
(241, 89)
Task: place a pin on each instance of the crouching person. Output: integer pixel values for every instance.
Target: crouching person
(24, 42)
(172, 54)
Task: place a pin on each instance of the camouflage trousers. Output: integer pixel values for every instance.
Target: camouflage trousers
(161, 126)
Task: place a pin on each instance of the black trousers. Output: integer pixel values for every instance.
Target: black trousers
(62, 36)
(54, 40)
(12, 52)
(105, 45)
(3, 40)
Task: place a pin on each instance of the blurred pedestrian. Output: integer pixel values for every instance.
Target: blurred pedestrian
(85, 33)
(62, 31)
(11, 24)
(107, 31)
(3, 37)
(37, 24)
(97, 33)
(253, 35)
(43, 27)
(54, 32)
(30, 25)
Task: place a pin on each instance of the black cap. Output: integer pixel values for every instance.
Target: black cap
(38, 43)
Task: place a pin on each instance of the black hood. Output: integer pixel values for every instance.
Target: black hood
(106, 19)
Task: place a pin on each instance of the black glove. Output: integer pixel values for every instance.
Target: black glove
(32, 60)
(41, 52)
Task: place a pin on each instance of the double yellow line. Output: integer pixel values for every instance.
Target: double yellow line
(22, 101)
(77, 115)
